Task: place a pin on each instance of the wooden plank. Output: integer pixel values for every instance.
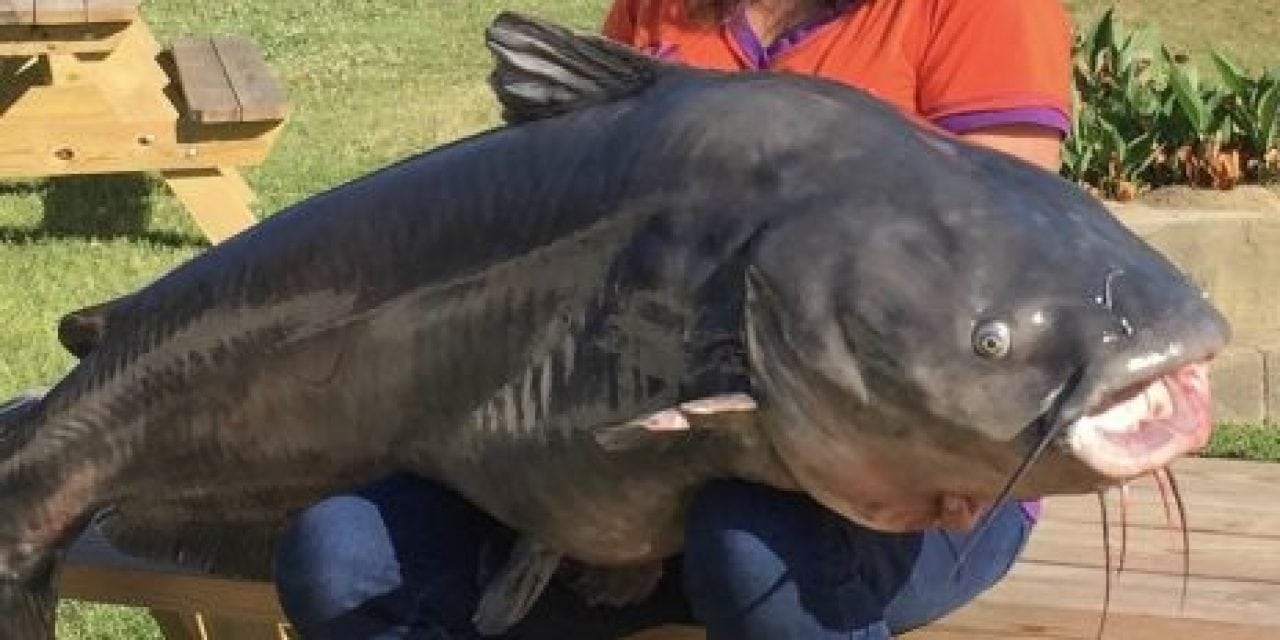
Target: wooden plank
(67, 12)
(62, 105)
(111, 10)
(178, 625)
(18, 40)
(1157, 550)
(14, 12)
(217, 627)
(1056, 591)
(983, 622)
(133, 80)
(211, 198)
(226, 79)
(1220, 495)
(1081, 590)
(171, 591)
(1204, 513)
(260, 95)
(236, 185)
(209, 96)
(670, 632)
(31, 147)
(60, 12)
(96, 566)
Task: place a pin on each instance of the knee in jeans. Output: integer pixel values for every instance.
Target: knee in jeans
(721, 505)
(330, 549)
(734, 535)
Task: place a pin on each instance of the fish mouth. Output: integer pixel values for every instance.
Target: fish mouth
(1146, 425)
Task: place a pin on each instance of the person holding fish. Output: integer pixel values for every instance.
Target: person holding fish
(401, 559)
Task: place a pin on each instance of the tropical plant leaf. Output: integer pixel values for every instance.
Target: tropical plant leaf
(1269, 117)
(1232, 76)
(1101, 39)
(1185, 91)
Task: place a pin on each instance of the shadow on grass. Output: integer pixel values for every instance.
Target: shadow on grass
(21, 187)
(25, 235)
(97, 206)
(103, 207)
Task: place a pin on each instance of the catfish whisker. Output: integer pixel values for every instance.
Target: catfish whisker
(1106, 554)
(1166, 475)
(1124, 526)
(1055, 425)
(1165, 498)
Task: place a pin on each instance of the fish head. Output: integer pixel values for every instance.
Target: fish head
(916, 335)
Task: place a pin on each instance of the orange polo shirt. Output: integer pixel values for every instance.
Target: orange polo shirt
(962, 64)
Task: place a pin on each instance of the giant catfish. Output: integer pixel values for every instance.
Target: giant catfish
(650, 276)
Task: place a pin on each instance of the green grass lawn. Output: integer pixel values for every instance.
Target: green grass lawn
(370, 82)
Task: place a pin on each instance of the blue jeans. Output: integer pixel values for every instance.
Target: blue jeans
(405, 558)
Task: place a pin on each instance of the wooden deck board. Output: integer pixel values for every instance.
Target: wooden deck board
(208, 92)
(17, 12)
(1055, 591)
(260, 96)
(1021, 622)
(225, 79)
(66, 12)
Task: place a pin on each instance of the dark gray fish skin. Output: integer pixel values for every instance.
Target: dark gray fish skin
(872, 326)
(478, 313)
(468, 314)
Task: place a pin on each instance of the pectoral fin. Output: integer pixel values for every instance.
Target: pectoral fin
(516, 588)
(677, 422)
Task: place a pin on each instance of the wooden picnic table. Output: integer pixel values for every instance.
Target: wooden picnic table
(1055, 590)
(86, 89)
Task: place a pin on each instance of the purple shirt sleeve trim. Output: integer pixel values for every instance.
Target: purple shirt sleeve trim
(1032, 508)
(972, 120)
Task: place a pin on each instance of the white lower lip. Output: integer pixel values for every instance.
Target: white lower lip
(1148, 429)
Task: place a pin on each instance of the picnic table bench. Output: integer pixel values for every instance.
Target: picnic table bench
(86, 89)
(1055, 590)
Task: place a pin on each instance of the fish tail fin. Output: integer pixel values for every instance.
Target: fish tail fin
(27, 604)
(27, 594)
(18, 417)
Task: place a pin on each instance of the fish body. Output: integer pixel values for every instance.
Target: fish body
(557, 319)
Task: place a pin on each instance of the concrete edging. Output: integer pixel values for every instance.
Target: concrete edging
(1235, 257)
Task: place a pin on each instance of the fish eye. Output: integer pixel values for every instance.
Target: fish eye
(992, 340)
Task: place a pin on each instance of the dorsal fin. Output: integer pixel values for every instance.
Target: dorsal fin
(544, 70)
(81, 331)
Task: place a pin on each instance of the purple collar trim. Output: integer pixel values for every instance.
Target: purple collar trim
(761, 56)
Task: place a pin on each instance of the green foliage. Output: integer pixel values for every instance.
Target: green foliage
(1245, 442)
(83, 621)
(1252, 107)
(1116, 103)
(1144, 117)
